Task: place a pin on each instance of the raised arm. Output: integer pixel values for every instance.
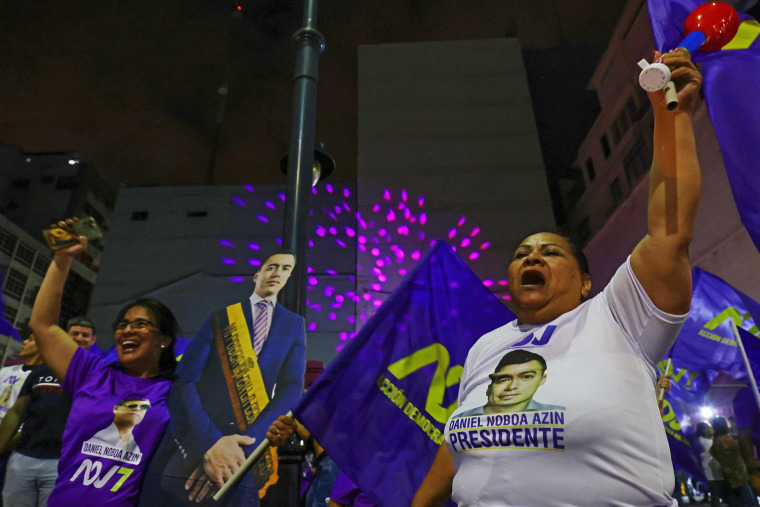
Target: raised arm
(56, 347)
(661, 260)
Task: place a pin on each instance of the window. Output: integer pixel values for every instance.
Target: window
(616, 132)
(636, 163)
(197, 214)
(590, 169)
(31, 295)
(41, 264)
(9, 313)
(7, 242)
(605, 145)
(623, 121)
(631, 109)
(25, 254)
(616, 191)
(14, 284)
(584, 231)
(138, 216)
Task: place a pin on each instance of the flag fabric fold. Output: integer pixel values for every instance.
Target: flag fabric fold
(706, 347)
(380, 407)
(746, 405)
(706, 340)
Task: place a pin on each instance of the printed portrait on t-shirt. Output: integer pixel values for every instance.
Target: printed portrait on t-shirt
(116, 441)
(514, 382)
(5, 397)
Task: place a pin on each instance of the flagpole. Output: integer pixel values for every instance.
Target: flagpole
(746, 362)
(255, 455)
(662, 389)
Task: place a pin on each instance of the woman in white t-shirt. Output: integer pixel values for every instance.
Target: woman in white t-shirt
(606, 438)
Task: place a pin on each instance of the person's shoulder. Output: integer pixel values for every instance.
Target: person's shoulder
(495, 337)
(288, 313)
(11, 369)
(39, 369)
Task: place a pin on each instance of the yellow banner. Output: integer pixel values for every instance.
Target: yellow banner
(246, 387)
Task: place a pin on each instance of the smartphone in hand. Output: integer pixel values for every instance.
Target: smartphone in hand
(63, 237)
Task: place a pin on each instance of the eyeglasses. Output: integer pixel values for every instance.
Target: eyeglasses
(134, 406)
(139, 325)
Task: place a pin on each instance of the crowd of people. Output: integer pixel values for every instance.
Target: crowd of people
(148, 430)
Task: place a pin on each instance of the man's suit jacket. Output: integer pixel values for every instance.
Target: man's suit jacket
(199, 403)
(208, 413)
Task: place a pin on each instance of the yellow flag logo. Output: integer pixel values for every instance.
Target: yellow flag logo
(748, 31)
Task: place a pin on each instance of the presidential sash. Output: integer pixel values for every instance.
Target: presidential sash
(245, 384)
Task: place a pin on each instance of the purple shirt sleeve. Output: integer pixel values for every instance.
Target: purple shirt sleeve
(82, 365)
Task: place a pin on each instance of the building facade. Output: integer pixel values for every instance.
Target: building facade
(606, 202)
(35, 190)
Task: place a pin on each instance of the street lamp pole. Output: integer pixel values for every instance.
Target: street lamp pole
(309, 44)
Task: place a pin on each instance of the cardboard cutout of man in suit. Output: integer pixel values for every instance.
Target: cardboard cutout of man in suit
(204, 446)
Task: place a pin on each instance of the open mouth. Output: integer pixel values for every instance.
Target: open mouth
(532, 279)
(129, 345)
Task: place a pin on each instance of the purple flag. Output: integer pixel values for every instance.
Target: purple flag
(746, 407)
(732, 92)
(707, 340)
(380, 407)
(705, 347)
(6, 328)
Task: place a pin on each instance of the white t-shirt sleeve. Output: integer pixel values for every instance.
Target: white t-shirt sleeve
(649, 329)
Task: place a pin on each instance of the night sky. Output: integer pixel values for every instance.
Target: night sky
(133, 85)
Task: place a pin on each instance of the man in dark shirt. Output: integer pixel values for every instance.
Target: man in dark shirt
(41, 411)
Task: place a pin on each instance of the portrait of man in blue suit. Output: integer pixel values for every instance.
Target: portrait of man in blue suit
(205, 443)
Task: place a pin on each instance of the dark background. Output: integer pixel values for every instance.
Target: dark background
(133, 85)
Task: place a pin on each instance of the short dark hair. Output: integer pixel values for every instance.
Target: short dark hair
(702, 428)
(720, 426)
(279, 252)
(579, 255)
(519, 356)
(167, 326)
(124, 401)
(80, 320)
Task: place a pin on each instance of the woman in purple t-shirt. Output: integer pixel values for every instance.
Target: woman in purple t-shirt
(119, 410)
